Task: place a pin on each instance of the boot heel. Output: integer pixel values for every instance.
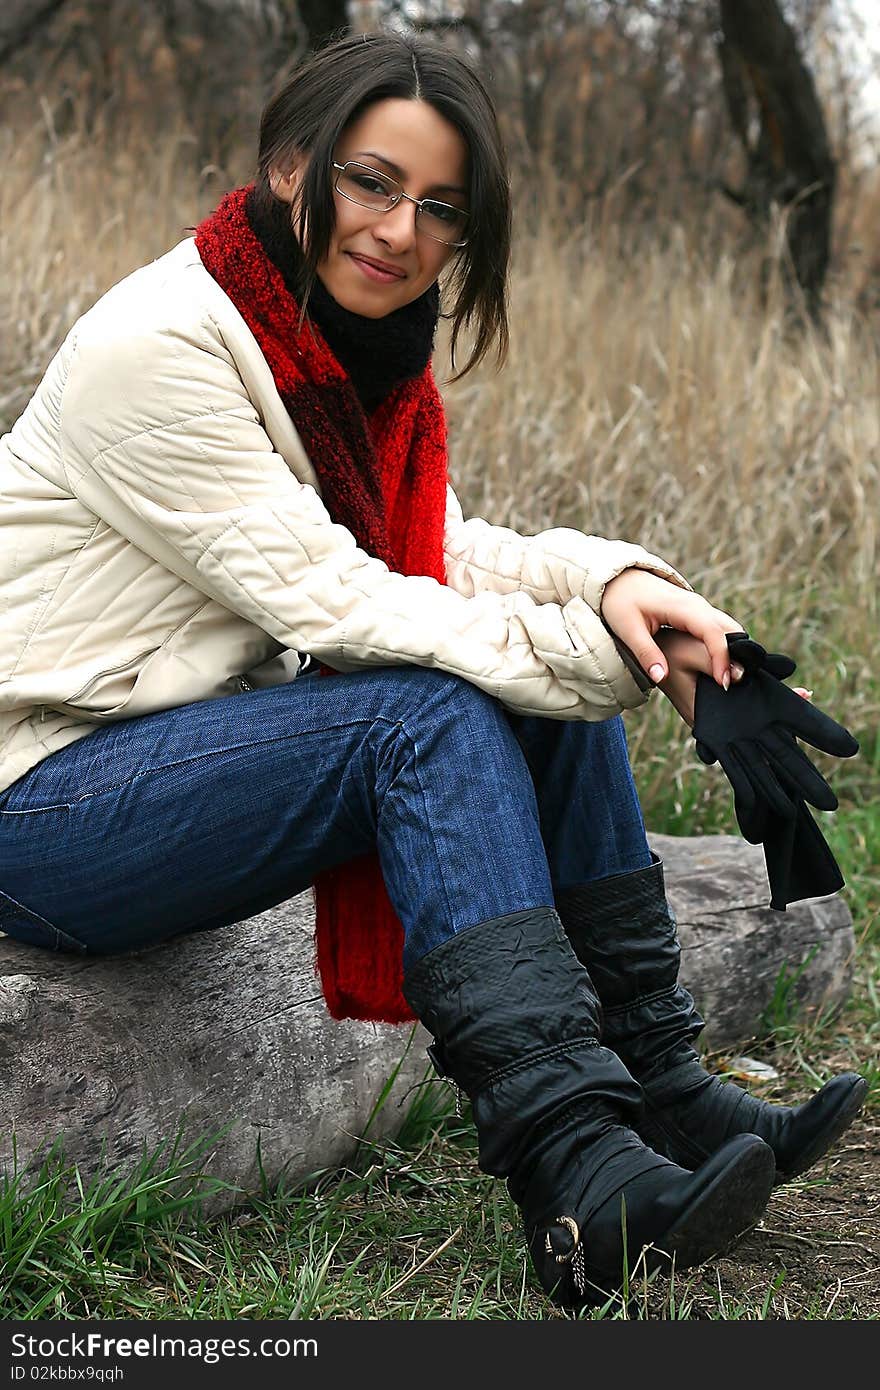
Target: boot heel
(735, 1187)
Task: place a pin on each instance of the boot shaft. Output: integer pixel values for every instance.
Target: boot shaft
(623, 931)
(516, 1021)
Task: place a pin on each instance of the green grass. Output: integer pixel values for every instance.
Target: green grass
(409, 1230)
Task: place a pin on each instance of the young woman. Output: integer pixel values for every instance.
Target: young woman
(250, 644)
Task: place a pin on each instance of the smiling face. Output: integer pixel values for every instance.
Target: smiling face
(379, 261)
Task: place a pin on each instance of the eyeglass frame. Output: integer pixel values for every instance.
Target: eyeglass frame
(380, 212)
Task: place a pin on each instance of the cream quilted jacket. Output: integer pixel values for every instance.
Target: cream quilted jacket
(164, 541)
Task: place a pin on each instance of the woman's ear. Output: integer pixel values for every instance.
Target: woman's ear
(285, 184)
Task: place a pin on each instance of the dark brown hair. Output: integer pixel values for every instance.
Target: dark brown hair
(329, 91)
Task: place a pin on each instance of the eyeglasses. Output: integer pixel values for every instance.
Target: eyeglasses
(380, 193)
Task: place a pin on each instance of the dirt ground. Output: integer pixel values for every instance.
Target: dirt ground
(816, 1253)
(819, 1241)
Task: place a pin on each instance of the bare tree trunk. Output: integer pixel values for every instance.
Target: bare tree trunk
(323, 19)
(789, 163)
(21, 24)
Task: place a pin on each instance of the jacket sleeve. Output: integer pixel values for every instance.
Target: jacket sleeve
(160, 439)
(553, 566)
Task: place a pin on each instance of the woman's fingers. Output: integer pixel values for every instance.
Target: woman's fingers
(636, 604)
(710, 626)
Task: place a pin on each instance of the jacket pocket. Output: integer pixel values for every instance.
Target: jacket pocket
(22, 924)
(108, 690)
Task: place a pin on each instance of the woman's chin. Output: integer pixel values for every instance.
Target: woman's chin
(360, 305)
(352, 292)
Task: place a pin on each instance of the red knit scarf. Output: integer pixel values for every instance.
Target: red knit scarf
(383, 477)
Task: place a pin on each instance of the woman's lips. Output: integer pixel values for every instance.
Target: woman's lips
(375, 272)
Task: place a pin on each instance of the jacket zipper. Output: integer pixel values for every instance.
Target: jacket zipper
(111, 671)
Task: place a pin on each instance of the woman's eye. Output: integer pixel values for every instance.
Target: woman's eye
(443, 212)
(370, 183)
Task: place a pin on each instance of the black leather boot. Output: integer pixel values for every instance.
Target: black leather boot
(515, 1021)
(623, 931)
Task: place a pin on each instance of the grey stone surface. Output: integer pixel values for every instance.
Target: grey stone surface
(211, 1029)
(735, 947)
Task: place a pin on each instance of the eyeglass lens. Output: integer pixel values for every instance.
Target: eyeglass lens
(372, 189)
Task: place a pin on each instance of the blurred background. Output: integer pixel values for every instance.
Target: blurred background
(694, 303)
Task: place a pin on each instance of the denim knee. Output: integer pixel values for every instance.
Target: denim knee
(431, 701)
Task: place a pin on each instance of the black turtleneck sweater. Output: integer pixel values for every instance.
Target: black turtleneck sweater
(377, 354)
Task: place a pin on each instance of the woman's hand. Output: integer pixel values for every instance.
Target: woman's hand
(636, 604)
(686, 658)
(675, 630)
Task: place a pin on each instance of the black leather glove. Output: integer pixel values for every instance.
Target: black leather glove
(750, 729)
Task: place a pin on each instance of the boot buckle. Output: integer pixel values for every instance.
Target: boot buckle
(575, 1256)
(572, 1227)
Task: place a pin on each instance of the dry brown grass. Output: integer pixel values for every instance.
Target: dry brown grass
(650, 394)
(79, 211)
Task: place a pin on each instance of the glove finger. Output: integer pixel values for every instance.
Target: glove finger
(748, 653)
(779, 665)
(706, 696)
(753, 656)
(813, 725)
(738, 777)
(779, 843)
(752, 822)
(764, 780)
(795, 770)
(705, 754)
(749, 808)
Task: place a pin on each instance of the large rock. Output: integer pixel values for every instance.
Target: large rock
(229, 1028)
(739, 957)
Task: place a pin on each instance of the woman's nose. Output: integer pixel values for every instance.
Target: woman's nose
(397, 226)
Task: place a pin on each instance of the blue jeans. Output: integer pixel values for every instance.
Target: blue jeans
(202, 815)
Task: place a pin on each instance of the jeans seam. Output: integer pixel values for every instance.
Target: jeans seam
(59, 937)
(441, 875)
(181, 762)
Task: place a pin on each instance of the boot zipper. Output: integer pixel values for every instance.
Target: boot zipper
(578, 1270)
(435, 1052)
